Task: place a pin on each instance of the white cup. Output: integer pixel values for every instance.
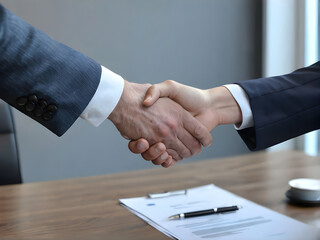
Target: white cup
(305, 189)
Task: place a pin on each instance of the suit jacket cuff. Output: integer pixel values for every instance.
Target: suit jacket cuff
(105, 98)
(242, 99)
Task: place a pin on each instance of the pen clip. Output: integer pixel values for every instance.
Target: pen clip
(167, 194)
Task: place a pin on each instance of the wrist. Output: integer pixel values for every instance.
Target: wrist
(130, 103)
(116, 114)
(222, 103)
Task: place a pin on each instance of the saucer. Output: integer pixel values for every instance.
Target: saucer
(300, 201)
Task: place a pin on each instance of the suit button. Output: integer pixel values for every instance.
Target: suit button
(30, 106)
(47, 116)
(52, 108)
(40, 108)
(38, 111)
(32, 98)
(21, 101)
(42, 103)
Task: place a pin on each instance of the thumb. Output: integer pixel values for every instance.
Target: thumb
(156, 91)
(152, 95)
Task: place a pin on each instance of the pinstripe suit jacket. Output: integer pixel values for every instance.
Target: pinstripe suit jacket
(283, 107)
(33, 64)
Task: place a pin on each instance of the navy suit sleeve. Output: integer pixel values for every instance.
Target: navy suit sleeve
(34, 66)
(283, 107)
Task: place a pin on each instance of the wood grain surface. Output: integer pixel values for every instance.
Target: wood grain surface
(88, 208)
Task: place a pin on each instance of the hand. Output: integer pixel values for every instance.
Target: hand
(156, 153)
(166, 121)
(212, 107)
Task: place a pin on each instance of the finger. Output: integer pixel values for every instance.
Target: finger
(154, 151)
(165, 89)
(174, 162)
(174, 154)
(168, 163)
(197, 130)
(191, 143)
(179, 147)
(164, 157)
(152, 95)
(139, 146)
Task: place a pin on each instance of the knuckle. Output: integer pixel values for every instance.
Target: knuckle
(169, 82)
(147, 85)
(164, 132)
(172, 124)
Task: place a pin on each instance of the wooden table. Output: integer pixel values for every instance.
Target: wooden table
(88, 208)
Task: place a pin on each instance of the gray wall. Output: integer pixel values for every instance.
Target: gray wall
(203, 43)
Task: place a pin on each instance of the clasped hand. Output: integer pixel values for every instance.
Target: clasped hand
(210, 107)
(174, 132)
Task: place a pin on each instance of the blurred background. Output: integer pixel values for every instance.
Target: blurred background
(202, 43)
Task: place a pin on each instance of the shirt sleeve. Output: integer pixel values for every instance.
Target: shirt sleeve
(242, 99)
(105, 98)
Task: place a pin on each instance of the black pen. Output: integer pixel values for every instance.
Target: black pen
(205, 212)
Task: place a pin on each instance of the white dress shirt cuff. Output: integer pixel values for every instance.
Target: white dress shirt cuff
(105, 98)
(243, 101)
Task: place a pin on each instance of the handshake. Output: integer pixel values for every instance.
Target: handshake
(170, 121)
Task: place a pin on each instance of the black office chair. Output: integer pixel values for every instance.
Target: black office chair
(9, 158)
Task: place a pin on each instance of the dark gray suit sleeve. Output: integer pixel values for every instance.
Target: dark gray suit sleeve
(41, 77)
(283, 107)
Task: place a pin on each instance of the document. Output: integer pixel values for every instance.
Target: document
(252, 221)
